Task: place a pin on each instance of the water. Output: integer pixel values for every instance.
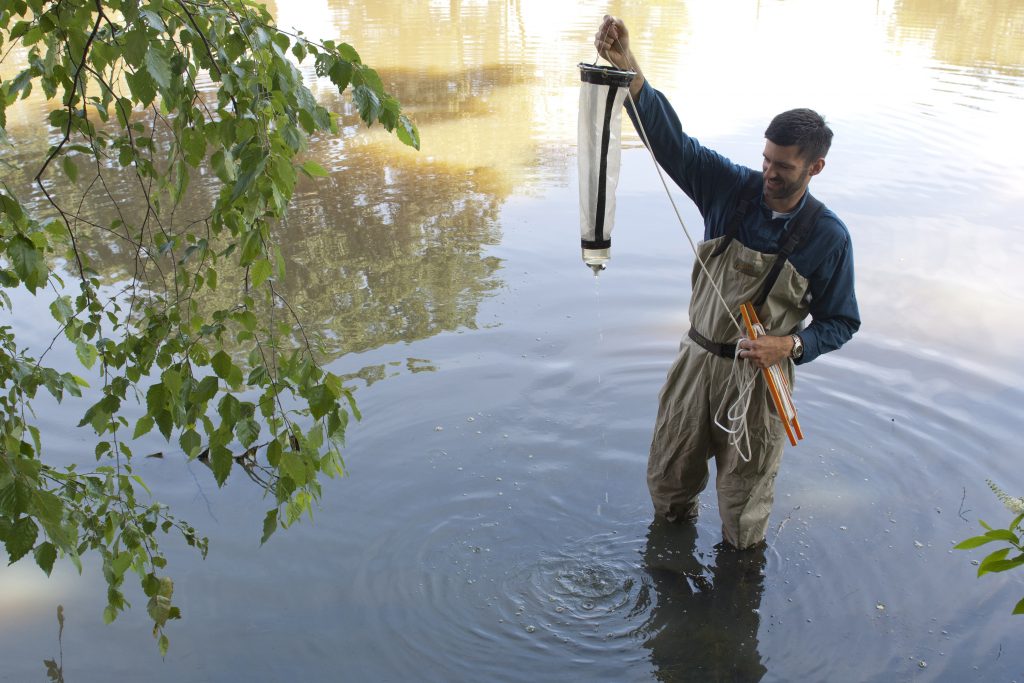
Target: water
(515, 543)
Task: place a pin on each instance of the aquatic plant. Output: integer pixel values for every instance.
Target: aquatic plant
(1014, 505)
(1012, 535)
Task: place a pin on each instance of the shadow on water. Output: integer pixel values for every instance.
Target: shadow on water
(704, 619)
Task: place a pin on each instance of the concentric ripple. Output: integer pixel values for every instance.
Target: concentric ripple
(589, 593)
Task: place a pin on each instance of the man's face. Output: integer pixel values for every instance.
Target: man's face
(786, 174)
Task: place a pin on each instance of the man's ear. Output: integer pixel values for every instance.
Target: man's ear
(817, 167)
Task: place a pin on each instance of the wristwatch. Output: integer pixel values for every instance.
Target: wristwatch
(798, 347)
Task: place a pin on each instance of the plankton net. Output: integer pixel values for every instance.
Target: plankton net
(602, 93)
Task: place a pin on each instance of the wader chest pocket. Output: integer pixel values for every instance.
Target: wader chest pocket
(747, 268)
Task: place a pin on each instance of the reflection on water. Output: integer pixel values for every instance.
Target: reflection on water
(496, 523)
(389, 248)
(985, 35)
(386, 252)
(705, 622)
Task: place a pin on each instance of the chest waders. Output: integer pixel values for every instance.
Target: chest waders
(699, 384)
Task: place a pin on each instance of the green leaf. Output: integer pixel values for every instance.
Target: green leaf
(135, 45)
(407, 132)
(270, 525)
(314, 170)
(249, 172)
(159, 609)
(1019, 609)
(229, 409)
(28, 262)
(989, 559)
(121, 563)
(973, 542)
(221, 364)
(348, 53)
(341, 74)
(221, 461)
(150, 585)
(321, 401)
(61, 309)
(48, 509)
(261, 270)
(206, 390)
(153, 19)
(165, 422)
(1002, 535)
(159, 66)
(247, 319)
(123, 107)
(86, 353)
(70, 168)
(194, 143)
(20, 538)
(1000, 565)
(252, 246)
(140, 83)
(190, 442)
(223, 165)
(143, 426)
(247, 431)
(156, 398)
(46, 555)
(13, 499)
(367, 102)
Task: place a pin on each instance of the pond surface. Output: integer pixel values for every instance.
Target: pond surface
(495, 522)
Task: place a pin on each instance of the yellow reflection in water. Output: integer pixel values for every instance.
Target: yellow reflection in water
(493, 86)
(982, 33)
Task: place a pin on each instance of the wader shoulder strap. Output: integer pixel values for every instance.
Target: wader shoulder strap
(748, 196)
(799, 227)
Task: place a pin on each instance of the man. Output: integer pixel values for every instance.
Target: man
(768, 241)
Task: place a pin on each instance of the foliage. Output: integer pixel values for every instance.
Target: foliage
(230, 385)
(1012, 535)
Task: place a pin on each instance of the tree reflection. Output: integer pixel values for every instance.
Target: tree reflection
(703, 625)
(978, 33)
(389, 248)
(388, 252)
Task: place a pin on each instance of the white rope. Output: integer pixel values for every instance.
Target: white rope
(661, 176)
(743, 375)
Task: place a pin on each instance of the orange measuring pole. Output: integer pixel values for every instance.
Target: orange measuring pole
(778, 385)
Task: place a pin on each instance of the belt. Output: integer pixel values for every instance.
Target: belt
(723, 350)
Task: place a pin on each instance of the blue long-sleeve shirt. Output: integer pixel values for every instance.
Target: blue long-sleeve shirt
(713, 182)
